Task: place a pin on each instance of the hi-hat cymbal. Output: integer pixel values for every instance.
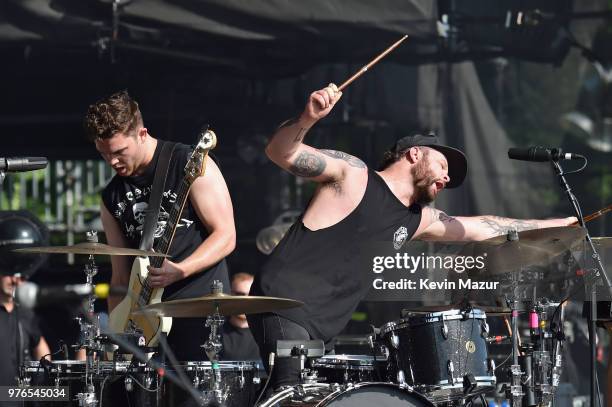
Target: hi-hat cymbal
(227, 305)
(91, 249)
(533, 247)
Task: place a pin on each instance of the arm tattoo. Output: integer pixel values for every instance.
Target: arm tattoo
(300, 135)
(307, 165)
(351, 160)
(501, 226)
(301, 132)
(288, 123)
(439, 216)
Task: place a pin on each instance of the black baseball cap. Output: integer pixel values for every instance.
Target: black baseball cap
(457, 163)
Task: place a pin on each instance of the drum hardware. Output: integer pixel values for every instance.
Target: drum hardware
(213, 348)
(491, 365)
(515, 392)
(237, 383)
(450, 368)
(401, 377)
(214, 306)
(345, 369)
(484, 329)
(89, 332)
(128, 383)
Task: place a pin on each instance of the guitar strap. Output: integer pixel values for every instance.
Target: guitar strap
(152, 212)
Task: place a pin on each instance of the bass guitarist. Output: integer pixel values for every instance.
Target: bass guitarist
(204, 233)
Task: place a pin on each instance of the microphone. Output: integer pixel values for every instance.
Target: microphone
(20, 164)
(30, 295)
(541, 154)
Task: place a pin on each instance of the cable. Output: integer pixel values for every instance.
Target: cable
(598, 390)
(579, 169)
(504, 362)
(271, 364)
(142, 386)
(102, 389)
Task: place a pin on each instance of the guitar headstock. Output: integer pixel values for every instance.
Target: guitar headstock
(196, 165)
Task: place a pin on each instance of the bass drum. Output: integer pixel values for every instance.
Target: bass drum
(356, 395)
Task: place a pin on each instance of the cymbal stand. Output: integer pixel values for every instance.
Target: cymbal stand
(598, 272)
(516, 389)
(213, 347)
(515, 394)
(89, 332)
(542, 365)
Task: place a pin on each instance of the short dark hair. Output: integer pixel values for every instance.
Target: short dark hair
(393, 156)
(111, 115)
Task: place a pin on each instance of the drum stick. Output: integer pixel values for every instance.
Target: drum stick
(371, 63)
(595, 215)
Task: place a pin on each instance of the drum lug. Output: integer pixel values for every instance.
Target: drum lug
(485, 330)
(491, 363)
(148, 382)
(401, 378)
(241, 379)
(444, 330)
(451, 369)
(129, 384)
(395, 341)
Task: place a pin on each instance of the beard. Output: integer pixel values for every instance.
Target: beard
(423, 180)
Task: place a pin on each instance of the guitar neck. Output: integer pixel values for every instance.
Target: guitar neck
(163, 243)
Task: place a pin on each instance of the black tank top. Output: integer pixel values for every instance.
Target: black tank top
(319, 267)
(126, 198)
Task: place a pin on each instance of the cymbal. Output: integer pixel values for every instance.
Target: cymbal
(535, 246)
(602, 242)
(91, 249)
(228, 305)
(490, 310)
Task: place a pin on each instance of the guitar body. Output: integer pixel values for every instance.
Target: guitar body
(120, 318)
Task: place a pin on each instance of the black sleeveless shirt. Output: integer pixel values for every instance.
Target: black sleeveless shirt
(126, 198)
(320, 268)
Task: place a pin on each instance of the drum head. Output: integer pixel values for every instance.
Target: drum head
(375, 394)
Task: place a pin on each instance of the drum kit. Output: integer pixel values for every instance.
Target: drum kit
(431, 355)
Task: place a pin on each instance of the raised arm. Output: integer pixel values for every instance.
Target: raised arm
(287, 150)
(437, 225)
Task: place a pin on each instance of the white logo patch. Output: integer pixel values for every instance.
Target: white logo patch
(399, 237)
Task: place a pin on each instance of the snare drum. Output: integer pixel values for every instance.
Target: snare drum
(239, 384)
(443, 354)
(357, 395)
(349, 369)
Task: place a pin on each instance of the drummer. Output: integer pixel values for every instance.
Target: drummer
(20, 334)
(316, 260)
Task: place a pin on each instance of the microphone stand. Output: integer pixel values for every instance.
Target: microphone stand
(599, 271)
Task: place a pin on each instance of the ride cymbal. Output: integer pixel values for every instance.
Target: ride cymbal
(90, 248)
(533, 247)
(225, 303)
